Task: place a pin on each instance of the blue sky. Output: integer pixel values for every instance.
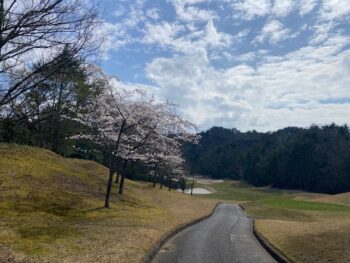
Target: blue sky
(249, 64)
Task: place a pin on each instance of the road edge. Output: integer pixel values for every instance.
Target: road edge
(274, 252)
(165, 238)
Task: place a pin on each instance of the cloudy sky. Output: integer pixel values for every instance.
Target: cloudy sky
(249, 64)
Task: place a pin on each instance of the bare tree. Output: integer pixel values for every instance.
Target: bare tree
(33, 30)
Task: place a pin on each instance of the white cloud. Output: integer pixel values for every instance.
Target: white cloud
(274, 32)
(187, 11)
(114, 36)
(153, 13)
(281, 91)
(321, 32)
(213, 38)
(215, 71)
(119, 11)
(306, 6)
(250, 9)
(174, 36)
(283, 8)
(118, 34)
(162, 34)
(334, 9)
(241, 35)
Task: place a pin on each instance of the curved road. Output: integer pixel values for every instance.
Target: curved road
(226, 236)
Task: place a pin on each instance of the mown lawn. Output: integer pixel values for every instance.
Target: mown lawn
(237, 191)
(305, 205)
(306, 227)
(51, 211)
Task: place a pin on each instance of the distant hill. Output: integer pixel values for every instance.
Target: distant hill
(315, 159)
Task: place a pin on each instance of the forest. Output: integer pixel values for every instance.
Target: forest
(315, 159)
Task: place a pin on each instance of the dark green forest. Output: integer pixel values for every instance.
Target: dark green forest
(315, 159)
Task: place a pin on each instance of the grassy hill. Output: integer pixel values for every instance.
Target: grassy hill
(51, 210)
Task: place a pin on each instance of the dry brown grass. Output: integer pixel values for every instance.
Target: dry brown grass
(304, 235)
(325, 239)
(50, 211)
(337, 199)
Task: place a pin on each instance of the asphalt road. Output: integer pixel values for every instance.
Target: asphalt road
(226, 236)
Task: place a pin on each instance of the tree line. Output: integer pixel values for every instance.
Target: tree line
(52, 95)
(315, 159)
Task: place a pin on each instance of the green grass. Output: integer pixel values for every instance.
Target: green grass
(305, 205)
(239, 192)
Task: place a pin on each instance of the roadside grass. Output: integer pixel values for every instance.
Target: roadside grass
(51, 211)
(322, 239)
(306, 227)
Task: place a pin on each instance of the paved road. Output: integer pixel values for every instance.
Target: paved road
(226, 236)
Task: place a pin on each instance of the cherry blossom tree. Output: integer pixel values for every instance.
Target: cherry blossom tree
(134, 126)
(108, 119)
(117, 119)
(163, 151)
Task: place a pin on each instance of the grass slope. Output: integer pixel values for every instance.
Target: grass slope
(306, 227)
(51, 211)
(340, 199)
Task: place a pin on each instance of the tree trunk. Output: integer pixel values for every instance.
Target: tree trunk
(117, 146)
(192, 186)
(154, 180)
(117, 179)
(161, 182)
(170, 184)
(57, 121)
(122, 179)
(155, 176)
(118, 171)
(110, 181)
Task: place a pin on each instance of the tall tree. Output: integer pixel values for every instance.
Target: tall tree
(45, 108)
(39, 30)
